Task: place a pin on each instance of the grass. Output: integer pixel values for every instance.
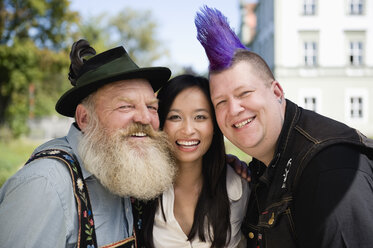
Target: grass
(13, 155)
(232, 149)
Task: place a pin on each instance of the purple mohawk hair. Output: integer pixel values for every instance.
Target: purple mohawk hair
(216, 36)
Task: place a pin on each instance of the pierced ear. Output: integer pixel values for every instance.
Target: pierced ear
(277, 90)
(81, 116)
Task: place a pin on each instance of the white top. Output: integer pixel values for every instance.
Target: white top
(170, 235)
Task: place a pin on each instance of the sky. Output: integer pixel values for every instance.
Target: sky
(175, 20)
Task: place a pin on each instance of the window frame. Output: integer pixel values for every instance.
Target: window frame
(350, 106)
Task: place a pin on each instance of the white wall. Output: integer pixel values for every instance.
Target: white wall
(333, 75)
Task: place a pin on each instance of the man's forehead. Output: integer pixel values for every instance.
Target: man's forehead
(133, 99)
(130, 85)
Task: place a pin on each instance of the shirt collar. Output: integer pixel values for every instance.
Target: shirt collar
(73, 137)
(290, 119)
(234, 185)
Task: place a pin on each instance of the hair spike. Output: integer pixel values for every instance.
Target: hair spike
(218, 39)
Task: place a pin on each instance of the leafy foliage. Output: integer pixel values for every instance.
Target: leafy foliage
(35, 39)
(21, 65)
(46, 22)
(32, 32)
(135, 30)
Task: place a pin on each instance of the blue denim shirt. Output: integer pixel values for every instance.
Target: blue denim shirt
(38, 209)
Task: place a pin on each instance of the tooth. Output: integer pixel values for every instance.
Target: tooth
(139, 134)
(241, 124)
(187, 143)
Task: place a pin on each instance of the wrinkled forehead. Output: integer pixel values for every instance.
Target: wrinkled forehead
(140, 87)
(132, 91)
(129, 84)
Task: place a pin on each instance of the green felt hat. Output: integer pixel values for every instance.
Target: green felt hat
(104, 68)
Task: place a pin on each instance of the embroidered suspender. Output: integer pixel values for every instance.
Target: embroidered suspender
(86, 234)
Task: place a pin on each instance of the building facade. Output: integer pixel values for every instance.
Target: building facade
(321, 52)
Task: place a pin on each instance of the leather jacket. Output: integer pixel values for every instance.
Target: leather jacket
(269, 221)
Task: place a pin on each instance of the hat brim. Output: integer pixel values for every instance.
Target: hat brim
(68, 102)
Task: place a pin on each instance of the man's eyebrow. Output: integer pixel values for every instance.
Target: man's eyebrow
(153, 101)
(214, 98)
(125, 99)
(132, 101)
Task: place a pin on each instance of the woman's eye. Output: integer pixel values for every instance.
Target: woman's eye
(173, 117)
(201, 117)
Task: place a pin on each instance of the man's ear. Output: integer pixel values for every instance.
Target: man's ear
(277, 90)
(81, 116)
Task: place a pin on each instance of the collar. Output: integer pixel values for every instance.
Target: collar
(234, 190)
(73, 137)
(234, 185)
(291, 118)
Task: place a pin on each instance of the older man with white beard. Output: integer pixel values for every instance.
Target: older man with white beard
(74, 191)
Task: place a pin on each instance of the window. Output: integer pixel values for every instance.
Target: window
(310, 98)
(309, 7)
(310, 53)
(355, 47)
(356, 53)
(310, 103)
(308, 46)
(356, 110)
(355, 7)
(357, 105)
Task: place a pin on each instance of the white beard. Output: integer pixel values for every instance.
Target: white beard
(141, 168)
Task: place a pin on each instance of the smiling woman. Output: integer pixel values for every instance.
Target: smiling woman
(189, 125)
(206, 204)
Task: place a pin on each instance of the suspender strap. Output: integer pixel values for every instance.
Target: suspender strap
(126, 243)
(86, 234)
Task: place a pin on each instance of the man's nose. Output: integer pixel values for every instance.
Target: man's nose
(235, 107)
(142, 115)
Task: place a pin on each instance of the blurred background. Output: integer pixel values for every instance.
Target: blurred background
(321, 52)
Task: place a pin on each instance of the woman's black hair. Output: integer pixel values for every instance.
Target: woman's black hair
(213, 203)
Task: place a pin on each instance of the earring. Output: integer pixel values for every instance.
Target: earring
(280, 100)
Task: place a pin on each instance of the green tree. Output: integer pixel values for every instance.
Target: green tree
(35, 38)
(23, 65)
(33, 52)
(46, 22)
(135, 30)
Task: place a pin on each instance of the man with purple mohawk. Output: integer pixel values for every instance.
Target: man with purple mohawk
(312, 177)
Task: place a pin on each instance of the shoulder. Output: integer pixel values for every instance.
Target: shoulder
(337, 166)
(45, 173)
(40, 180)
(339, 175)
(40, 189)
(340, 157)
(236, 186)
(337, 182)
